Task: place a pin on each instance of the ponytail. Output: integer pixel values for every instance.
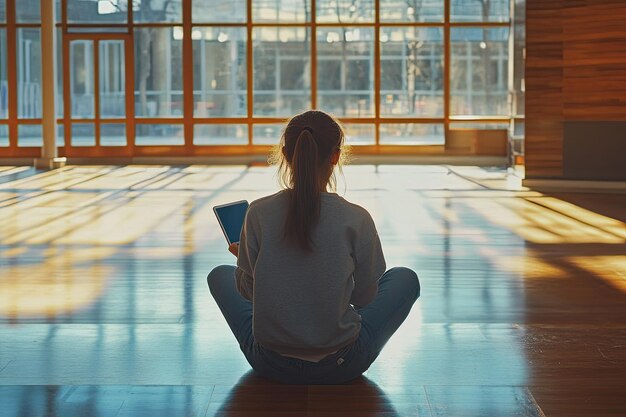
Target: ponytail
(304, 156)
(304, 197)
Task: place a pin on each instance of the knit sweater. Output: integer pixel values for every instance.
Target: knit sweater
(305, 302)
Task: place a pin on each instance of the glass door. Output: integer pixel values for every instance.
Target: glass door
(95, 93)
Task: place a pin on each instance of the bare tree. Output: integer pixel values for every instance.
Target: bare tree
(343, 68)
(485, 56)
(413, 71)
(148, 53)
(352, 10)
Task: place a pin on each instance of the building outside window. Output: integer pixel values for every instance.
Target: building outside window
(194, 74)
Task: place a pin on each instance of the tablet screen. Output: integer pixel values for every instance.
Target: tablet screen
(231, 218)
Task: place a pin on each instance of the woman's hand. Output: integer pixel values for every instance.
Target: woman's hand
(234, 249)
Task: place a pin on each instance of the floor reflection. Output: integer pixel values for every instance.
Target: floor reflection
(102, 281)
(104, 401)
(254, 396)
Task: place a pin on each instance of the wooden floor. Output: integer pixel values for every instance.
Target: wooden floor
(104, 309)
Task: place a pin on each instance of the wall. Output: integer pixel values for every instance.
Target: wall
(576, 89)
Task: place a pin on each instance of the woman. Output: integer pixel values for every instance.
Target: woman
(309, 301)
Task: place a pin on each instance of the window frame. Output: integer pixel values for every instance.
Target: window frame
(189, 121)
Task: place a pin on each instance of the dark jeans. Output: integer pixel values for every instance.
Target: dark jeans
(398, 289)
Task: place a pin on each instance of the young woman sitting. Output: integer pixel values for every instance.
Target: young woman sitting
(309, 300)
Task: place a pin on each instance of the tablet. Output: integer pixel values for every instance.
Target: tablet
(230, 217)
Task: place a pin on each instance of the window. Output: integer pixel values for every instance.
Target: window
(411, 72)
(82, 79)
(224, 78)
(345, 11)
(282, 82)
(267, 134)
(101, 12)
(283, 11)
(412, 134)
(83, 134)
(159, 134)
(479, 10)
(156, 11)
(113, 134)
(220, 134)
(360, 134)
(220, 77)
(411, 10)
(4, 136)
(112, 79)
(345, 77)
(27, 11)
(479, 71)
(292, 74)
(29, 73)
(29, 135)
(218, 11)
(4, 80)
(332, 72)
(158, 72)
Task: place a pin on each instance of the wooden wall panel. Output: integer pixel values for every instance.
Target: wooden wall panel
(594, 52)
(575, 70)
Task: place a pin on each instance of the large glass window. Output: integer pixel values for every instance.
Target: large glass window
(27, 11)
(479, 10)
(283, 11)
(158, 72)
(411, 10)
(83, 134)
(59, 74)
(97, 11)
(220, 134)
(218, 11)
(4, 136)
(29, 135)
(157, 11)
(267, 134)
(479, 71)
(4, 80)
(113, 134)
(224, 77)
(28, 73)
(282, 73)
(411, 73)
(345, 71)
(345, 11)
(412, 134)
(112, 79)
(82, 79)
(220, 74)
(360, 134)
(159, 134)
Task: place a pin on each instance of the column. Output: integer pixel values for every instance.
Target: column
(49, 157)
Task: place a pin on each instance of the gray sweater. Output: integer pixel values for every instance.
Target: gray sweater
(303, 300)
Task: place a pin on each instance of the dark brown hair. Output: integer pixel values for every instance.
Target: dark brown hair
(304, 155)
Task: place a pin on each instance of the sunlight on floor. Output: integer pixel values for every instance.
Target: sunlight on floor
(547, 220)
(63, 231)
(612, 269)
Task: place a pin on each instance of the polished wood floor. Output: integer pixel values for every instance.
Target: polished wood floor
(104, 309)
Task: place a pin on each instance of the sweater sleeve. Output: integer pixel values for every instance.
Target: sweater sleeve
(248, 252)
(369, 267)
